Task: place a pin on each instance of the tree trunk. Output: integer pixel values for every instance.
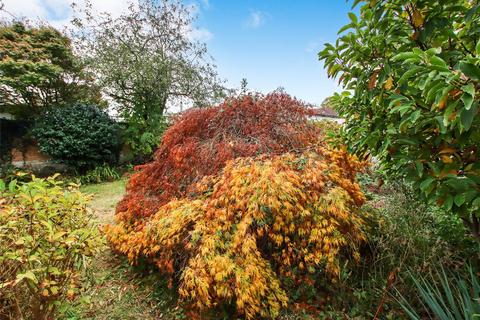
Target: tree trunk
(473, 225)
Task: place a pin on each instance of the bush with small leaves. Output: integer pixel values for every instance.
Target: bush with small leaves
(81, 136)
(243, 236)
(202, 140)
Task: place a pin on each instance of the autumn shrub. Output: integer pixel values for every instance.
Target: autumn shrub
(46, 239)
(243, 237)
(202, 140)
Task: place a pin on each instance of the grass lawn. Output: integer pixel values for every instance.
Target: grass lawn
(112, 288)
(105, 198)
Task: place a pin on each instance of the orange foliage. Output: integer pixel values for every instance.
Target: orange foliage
(201, 141)
(261, 220)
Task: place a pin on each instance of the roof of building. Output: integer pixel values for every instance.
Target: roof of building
(325, 112)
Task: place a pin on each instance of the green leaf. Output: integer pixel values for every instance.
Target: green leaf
(419, 167)
(426, 183)
(448, 203)
(438, 62)
(470, 89)
(405, 56)
(468, 115)
(353, 17)
(12, 185)
(470, 70)
(27, 275)
(408, 74)
(467, 100)
(2, 185)
(345, 27)
(459, 199)
(476, 204)
(477, 48)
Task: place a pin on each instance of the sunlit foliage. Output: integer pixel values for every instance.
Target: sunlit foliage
(47, 237)
(242, 234)
(411, 71)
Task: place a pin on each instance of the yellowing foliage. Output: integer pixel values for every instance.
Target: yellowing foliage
(243, 231)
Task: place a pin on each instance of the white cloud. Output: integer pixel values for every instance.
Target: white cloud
(57, 12)
(206, 3)
(255, 19)
(200, 34)
(27, 8)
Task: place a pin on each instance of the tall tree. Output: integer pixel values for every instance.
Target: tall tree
(38, 70)
(412, 74)
(146, 59)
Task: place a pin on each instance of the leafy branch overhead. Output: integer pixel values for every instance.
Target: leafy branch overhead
(411, 71)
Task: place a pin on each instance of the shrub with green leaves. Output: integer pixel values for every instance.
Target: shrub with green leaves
(411, 71)
(81, 136)
(100, 174)
(46, 239)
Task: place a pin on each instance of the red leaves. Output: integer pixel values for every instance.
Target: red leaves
(202, 140)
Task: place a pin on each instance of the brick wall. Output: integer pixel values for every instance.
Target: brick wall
(31, 158)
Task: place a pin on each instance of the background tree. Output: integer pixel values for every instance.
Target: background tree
(411, 71)
(146, 59)
(38, 70)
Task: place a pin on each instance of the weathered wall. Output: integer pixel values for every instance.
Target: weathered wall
(31, 158)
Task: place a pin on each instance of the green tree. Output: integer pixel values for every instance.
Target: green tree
(411, 76)
(146, 59)
(38, 70)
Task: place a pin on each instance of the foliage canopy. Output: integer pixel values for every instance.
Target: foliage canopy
(146, 59)
(412, 75)
(201, 140)
(46, 237)
(38, 70)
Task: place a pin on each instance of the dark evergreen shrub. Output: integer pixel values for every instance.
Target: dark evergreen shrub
(81, 136)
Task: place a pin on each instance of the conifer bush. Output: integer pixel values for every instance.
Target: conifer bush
(243, 234)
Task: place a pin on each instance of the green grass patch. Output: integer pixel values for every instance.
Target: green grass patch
(105, 198)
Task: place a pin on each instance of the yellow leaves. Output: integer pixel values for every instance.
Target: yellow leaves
(447, 150)
(417, 18)
(372, 83)
(388, 85)
(446, 158)
(306, 218)
(443, 103)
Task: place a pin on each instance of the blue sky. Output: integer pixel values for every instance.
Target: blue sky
(274, 43)
(271, 43)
